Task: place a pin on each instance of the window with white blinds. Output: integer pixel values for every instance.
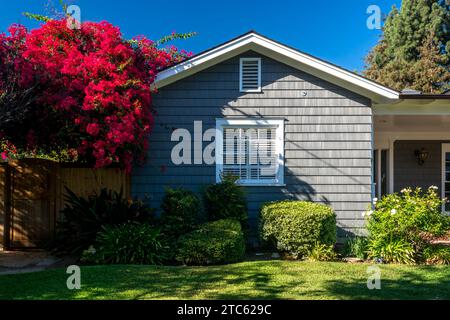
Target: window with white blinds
(251, 151)
(250, 75)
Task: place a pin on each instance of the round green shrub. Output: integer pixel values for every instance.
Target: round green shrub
(128, 243)
(225, 200)
(214, 242)
(296, 227)
(181, 210)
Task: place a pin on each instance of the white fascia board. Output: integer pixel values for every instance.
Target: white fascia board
(296, 59)
(326, 68)
(202, 61)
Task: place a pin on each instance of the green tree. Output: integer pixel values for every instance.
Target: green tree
(414, 49)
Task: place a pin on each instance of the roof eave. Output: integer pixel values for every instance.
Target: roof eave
(297, 59)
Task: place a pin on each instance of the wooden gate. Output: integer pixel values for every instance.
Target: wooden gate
(32, 194)
(32, 207)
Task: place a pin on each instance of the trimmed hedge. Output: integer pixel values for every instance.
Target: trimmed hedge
(295, 227)
(214, 242)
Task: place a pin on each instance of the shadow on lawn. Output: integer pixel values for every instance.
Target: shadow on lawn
(208, 282)
(425, 282)
(256, 280)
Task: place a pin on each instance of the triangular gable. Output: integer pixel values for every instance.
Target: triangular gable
(284, 54)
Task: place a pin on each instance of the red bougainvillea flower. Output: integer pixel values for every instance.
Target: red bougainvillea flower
(96, 82)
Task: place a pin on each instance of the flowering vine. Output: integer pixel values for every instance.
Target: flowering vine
(93, 96)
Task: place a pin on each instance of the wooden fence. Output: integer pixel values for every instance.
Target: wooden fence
(32, 195)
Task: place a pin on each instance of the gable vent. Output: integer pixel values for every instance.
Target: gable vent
(250, 75)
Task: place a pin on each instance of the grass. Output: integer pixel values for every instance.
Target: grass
(246, 280)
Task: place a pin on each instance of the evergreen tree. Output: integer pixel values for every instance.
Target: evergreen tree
(414, 50)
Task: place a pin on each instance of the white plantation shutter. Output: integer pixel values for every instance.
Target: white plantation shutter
(250, 75)
(252, 153)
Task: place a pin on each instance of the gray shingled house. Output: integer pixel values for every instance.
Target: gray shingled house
(335, 136)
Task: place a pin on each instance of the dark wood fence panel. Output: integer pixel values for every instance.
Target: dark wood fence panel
(32, 194)
(32, 216)
(86, 181)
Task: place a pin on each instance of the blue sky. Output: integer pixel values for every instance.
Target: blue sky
(332, 30)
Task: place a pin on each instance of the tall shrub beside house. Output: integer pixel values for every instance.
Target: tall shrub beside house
(181, 211)
(226, 200)
(401, 226)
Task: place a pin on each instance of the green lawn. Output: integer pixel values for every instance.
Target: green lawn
(246, 280)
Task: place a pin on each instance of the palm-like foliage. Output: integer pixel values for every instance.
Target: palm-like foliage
(83, 217)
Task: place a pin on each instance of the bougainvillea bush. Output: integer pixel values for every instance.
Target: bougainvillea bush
(85, 92)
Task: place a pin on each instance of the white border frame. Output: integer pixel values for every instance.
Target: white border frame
(259, 74)
(279, 124)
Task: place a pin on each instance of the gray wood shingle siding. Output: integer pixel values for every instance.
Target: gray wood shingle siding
(328, 137)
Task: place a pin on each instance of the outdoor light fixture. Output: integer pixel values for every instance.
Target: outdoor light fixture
(421, 156)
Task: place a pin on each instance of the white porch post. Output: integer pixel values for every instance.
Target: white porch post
(391, 165)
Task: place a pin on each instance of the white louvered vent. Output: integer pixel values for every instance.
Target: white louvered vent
(250, 75)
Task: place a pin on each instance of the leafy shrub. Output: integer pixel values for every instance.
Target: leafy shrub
(180, 211)
(225, 200)
(215, 242)
(391, 250)
(356, 247)
(436, 254)
(295, 227)
(128, 243)
(322, 252)
(403, 221)
(83, 217)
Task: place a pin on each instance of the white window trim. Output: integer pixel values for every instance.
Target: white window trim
(279, 124)
(259, 75)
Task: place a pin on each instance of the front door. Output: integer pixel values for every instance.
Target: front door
(446, 175)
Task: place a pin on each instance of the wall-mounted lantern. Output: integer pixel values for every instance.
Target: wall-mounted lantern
(421, 156)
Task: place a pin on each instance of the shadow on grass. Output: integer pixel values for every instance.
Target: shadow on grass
(423, 282)
(213, 282)
(247, 280)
